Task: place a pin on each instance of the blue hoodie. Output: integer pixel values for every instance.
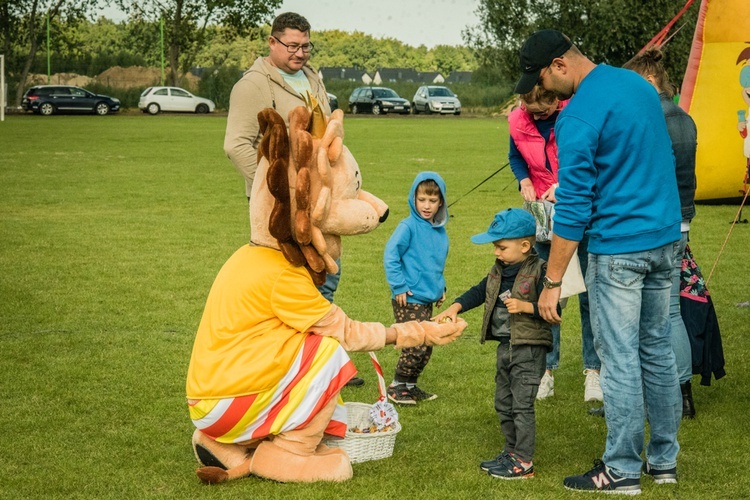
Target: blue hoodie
(416, 252)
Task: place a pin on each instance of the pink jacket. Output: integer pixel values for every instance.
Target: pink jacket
(530, 144)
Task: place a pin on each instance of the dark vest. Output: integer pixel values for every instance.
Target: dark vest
(524, 328)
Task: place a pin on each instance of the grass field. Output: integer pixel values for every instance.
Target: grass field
(112, 230)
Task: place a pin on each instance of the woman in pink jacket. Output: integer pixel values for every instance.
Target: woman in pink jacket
(533, 159)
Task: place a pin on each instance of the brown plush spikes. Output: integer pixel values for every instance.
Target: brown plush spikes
(293, 254)
(314, 260)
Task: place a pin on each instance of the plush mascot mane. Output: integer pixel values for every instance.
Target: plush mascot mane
(301, 181)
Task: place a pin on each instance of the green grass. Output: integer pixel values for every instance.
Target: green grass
(112, 230)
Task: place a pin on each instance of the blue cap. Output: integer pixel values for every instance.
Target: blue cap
(511, 223)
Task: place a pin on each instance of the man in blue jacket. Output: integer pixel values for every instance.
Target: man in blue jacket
(617, 178)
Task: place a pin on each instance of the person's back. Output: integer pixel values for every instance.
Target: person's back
(633, 205)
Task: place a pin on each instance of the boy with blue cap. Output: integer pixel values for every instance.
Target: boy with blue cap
(509, 294)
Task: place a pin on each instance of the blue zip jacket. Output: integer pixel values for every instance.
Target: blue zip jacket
(617, 170)
(415, 254)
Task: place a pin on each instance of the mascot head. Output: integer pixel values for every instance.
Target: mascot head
(308, 190)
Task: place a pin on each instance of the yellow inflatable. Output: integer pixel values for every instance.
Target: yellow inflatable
(716, 93)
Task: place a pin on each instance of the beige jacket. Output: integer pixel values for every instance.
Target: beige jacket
(261, 87)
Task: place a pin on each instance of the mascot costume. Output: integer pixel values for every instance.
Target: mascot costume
(270, 355)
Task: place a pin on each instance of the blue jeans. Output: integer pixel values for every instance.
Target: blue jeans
(328, 288)
(629, 295)
(680, 340)
(553, 356)
(590, 358)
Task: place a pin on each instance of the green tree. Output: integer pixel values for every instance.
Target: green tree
(23, 30)
(607, 31)
(186, 23)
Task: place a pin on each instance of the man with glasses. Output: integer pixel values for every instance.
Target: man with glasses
(280, 81)
(616, 182)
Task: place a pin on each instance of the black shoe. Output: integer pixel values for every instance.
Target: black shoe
(355, 382)
(420, 395)
(602, 478)
(498, 461)
(513, 468)
(401, 394)
(688, 408)
(661, 476)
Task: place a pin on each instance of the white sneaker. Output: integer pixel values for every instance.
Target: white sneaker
(546, 386)
(592, 391)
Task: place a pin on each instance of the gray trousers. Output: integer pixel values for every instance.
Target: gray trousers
(519, 370)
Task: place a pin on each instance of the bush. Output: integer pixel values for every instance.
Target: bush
(216, 84)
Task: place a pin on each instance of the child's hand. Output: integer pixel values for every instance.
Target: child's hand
(449, 314)
(516, 306)
(401, 298)
(741, 126)
(440, 301)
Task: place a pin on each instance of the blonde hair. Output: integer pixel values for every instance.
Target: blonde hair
(538, 95)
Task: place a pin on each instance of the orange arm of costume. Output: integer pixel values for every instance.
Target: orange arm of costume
(361, 336)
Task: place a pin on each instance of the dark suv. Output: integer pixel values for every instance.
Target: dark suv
(50, 99)
(377, 100)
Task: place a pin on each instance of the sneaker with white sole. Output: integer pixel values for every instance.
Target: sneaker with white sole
(400, 394)
(602, 478)
(592, 389)
(661, 476)
(546, 386)
(513, 468)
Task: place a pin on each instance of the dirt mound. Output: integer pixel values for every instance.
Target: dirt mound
(116, 77)
(59, 79)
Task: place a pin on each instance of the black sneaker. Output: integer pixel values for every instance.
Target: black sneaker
(498, 461)
(661, 476)
(400, 394)
(513, 468)
(420, 395)
(602, 478)
(355, 382)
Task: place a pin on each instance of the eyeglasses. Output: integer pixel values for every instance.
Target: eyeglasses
(293, 48)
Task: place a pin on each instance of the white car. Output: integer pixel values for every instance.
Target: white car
(156, 99)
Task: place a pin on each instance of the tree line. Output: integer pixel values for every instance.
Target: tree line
(228, 35)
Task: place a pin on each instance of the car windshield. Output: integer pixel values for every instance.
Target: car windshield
(380, 93)
(440, 92)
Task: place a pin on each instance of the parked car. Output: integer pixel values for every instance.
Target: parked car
(50, 99)
(156, 99)
(377, 100)
(333, 101)
(435, 99)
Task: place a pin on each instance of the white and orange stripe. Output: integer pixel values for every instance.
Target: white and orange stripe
(320, 369)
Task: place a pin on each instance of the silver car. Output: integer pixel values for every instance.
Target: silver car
(435, 99)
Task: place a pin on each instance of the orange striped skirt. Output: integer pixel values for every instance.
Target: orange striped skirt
(319, 371)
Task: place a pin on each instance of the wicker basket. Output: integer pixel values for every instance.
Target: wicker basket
(363, 447)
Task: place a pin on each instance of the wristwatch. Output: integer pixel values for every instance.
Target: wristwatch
(548, 283)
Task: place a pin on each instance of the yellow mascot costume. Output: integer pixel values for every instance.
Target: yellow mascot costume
(270, 355)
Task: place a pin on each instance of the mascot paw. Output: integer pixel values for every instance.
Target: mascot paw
(212, 475)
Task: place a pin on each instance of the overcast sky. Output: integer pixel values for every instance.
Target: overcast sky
(415, 22)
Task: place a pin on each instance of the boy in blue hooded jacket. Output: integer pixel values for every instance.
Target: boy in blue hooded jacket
(414, 263)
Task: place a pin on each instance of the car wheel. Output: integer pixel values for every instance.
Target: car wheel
(201, 108)
(414, 109)
(153, 109)
(47, 109)
(355, 110)
(457, 113)
(376, 109)
(102, 108)
(427, 110)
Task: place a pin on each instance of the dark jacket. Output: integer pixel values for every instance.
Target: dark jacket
(524, 328)
(683, 133)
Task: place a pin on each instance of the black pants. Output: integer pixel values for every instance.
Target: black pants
(412, 361)
(519, 370)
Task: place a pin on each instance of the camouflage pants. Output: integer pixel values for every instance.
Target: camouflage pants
(412, 361)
